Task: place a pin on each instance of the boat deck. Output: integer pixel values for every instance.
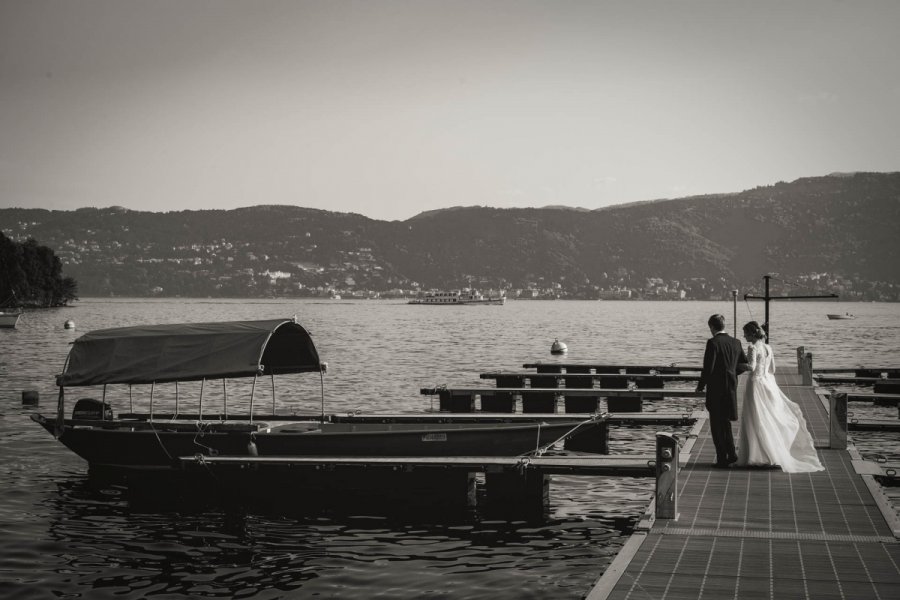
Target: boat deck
(761, 533)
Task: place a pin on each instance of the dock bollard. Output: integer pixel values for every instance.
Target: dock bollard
(666, 476)
(30, 398)
(801, 352)
(837, 428)
(807, 370)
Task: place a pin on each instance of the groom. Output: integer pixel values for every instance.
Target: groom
(723, 360)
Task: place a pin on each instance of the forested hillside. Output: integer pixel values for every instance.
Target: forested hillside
(834, 230)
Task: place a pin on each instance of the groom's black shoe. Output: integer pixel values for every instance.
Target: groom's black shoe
(732, 459)
(721, 465)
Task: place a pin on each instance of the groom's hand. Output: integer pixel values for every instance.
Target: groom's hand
(743, 367)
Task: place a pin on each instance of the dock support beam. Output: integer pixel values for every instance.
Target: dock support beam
(595, 440)
(517, 492)
(462, 403)
(837, 430)
(616, 404)
(498, 402)
(666, 476)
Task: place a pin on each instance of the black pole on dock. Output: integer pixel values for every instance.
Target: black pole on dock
(768, 297)
(734, 304)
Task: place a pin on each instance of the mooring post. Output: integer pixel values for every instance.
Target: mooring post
(837, 430)
(666, 476)
(807, 370)
(801, 353)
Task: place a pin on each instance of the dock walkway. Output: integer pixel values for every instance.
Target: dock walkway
(761, 533)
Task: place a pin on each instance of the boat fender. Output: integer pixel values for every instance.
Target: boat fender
(252, 450)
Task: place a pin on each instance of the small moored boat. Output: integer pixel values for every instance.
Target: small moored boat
(197, 352)
(8, 319)
(835, 317)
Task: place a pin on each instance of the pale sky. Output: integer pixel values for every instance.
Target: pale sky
(389, 108)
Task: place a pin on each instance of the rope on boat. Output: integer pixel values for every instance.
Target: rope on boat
(200, 432)
(159, 439)
(201, 460)
(540, 450)
(523, 464)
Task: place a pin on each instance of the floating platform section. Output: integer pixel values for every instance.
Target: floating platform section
(873, 424)
(631, 466)
(559, 367)
(515, 378)
(541, 399)
(636, 418)
(880, 399)
(860, 381)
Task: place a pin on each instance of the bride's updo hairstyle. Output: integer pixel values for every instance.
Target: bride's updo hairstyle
(754, 332)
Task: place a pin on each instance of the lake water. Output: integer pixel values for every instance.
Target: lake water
(62, 536)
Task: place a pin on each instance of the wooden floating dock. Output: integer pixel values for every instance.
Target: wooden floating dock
(545, 399)
(559, 367)
(623, 465)
(862, 381)
(586, 378)
(682, 418)
(891, 372)
(761, 533)
(854, 424)
(881, 399)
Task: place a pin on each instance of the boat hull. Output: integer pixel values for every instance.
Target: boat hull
(9, 320)
(839, 317)
(143, 446)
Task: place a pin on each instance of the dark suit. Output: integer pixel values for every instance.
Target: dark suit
(723, 360)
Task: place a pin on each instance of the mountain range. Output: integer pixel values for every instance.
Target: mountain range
(840, 229)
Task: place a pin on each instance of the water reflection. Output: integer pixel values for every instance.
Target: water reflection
(107, 541)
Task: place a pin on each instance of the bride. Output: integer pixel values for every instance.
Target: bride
(772, 428)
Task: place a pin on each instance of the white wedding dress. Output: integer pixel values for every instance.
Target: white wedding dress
(772, 428)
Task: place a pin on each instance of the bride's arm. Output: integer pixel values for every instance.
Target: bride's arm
(751, 358)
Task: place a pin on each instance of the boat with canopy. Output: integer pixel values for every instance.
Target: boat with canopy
(203, 352)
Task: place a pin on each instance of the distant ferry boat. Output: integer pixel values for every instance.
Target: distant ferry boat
(457, 297)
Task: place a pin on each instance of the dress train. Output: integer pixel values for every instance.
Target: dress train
(772, 428)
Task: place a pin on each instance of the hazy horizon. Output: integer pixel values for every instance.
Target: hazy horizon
(390, 108)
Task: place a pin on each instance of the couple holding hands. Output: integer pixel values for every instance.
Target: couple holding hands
(773, 431)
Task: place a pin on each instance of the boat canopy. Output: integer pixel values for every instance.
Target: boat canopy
(189, 352)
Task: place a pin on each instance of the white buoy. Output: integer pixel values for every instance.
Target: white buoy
(70, 324)
(557, 347)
